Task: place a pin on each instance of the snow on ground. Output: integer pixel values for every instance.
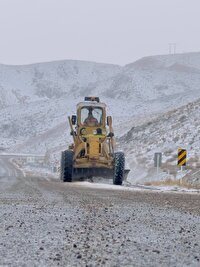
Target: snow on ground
(106, 186)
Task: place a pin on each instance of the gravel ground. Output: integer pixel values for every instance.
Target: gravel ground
(48, 223)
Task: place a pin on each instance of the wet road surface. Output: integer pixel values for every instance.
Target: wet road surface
(47, 223)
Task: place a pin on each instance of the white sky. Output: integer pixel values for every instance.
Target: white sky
(110, 31)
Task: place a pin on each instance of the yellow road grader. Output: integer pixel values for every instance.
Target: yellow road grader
(93, 150)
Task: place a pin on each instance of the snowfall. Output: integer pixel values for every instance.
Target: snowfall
(154, 103)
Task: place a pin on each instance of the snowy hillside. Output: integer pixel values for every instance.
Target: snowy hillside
(159, 82)
(178, 128)
(35, 101)
(25, 84)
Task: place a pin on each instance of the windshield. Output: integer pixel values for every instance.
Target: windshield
(91, 116)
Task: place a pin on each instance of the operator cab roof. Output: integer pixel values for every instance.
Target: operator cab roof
(91, 102)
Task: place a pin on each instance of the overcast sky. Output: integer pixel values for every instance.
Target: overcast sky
(110, 31)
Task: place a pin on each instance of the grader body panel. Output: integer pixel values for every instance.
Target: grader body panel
(93, 150)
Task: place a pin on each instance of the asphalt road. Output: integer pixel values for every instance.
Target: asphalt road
(44, 222)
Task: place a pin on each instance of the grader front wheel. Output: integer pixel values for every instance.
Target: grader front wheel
(119, 163)
(66, 168)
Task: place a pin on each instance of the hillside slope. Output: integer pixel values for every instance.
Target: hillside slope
(29, 83)
(36, 99)
(175, 129)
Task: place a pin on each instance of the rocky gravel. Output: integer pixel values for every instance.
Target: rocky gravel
(47, 223)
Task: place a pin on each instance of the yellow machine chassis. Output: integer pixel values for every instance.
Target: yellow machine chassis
(92, 152)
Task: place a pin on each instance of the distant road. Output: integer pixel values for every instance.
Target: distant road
(50, 223)
(7, 168)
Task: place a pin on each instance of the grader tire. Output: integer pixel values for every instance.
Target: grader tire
(119, 163)
(66, 168)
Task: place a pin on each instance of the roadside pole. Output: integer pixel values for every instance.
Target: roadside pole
(157, 161)
(182, 158)
(158, 164)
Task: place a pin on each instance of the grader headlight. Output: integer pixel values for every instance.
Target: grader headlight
(83, 131)
(95, 131)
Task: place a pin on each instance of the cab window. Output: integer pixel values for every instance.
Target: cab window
(91, 116)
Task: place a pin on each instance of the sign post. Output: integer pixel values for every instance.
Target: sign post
(157, 160)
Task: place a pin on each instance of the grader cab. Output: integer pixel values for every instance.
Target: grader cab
(93, 150)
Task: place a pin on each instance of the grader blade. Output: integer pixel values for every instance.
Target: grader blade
(85, 173)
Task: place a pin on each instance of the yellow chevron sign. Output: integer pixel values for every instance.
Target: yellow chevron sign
(182, 155)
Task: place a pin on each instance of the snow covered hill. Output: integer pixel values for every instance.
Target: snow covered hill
(175, 129)
(26, 84)
(159, 82)
(35, 101)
